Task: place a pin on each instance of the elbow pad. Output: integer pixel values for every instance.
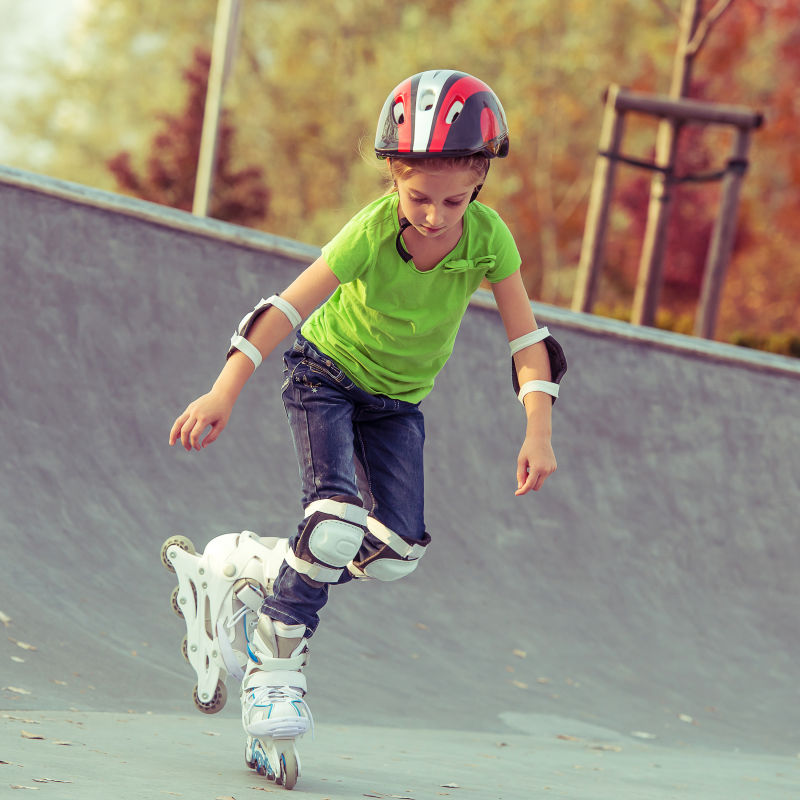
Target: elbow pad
(239, 339)
(558, 361)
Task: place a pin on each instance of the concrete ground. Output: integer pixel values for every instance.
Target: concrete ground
(630, 632)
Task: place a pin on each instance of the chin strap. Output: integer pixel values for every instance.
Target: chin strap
(404, 254)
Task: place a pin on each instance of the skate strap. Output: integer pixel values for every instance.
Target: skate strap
(280, 672)
(250, 597)
(235, 669)
(534, 337)
(394, 541)
(346, 511)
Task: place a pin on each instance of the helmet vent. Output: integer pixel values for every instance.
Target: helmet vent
(455, 110)
(398, 112)
(427, 100)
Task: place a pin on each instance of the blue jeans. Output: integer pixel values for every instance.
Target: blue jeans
(348, 442)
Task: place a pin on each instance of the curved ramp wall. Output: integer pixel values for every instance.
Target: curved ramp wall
(651, 586)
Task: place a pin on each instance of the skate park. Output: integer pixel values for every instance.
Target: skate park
(628, 632)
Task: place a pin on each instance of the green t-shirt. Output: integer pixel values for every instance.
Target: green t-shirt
(390, 326)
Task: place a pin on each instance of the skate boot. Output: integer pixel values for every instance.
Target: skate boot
(274, 712)
(219, 596)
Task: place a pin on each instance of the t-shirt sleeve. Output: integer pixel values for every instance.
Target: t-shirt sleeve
(507, 258)
(349, 252)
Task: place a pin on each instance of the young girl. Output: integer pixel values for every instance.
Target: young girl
(390, 291)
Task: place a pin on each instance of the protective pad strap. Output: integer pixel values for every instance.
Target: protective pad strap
(385, 555)
(347, 511)
(250, 350)
(239, 339)
(558, 365)
(395, 541)
(537, 386)
(534, 337)
(289, 311)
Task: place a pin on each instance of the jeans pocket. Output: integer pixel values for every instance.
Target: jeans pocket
(329, 370)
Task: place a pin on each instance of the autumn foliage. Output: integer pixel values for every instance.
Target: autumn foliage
(306, 88)
(239, 196)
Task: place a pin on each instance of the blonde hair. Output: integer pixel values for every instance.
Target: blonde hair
(406, 167)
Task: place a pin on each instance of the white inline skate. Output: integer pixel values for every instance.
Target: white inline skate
(219, 596)
(274, 712)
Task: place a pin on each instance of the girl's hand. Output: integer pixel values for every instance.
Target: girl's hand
(535, 463)
(212, 409)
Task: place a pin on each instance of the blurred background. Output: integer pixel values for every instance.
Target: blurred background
(110, 94)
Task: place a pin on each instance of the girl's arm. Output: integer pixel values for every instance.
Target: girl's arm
(536, 460)
(314, 285)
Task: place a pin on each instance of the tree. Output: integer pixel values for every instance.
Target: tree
(105, 95)
(309, 79)
(239, 196)
(762, 40)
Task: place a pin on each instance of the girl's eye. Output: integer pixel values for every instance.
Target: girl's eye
(424, 201)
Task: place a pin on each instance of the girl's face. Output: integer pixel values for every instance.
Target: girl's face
(435, 202)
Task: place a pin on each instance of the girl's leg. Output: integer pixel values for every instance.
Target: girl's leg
(389, 446)
(319, 402)
(334, 424)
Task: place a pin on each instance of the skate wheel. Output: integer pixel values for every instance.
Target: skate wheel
(175, 541)
(250, 756)
(176, 606)
(288, 768)
(216, 703)
(185, 649)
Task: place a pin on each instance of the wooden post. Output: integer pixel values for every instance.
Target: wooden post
(721, 247)
(619, 102)
(688, 110)
(594, 234)
(655, 238)
(224, 34)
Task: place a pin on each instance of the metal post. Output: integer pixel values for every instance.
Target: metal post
(225, 30)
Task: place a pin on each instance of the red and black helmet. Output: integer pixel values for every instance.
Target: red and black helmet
(441, 113)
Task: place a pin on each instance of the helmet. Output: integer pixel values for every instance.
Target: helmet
(441, 113)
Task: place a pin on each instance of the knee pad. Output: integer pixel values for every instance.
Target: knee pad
(386, 555)
(330, 540)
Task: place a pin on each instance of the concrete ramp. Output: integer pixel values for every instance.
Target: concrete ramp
(629, 632)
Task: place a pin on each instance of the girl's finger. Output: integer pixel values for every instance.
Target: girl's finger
(216, 430)
(526, 481)
(186, 433)
(176, 428)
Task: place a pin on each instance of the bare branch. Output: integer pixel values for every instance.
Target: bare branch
(705, 26)
(669, 12)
